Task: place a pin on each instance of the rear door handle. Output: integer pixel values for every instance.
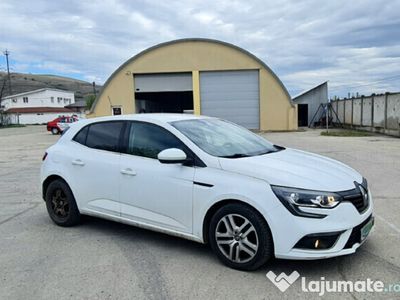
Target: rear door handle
(78, 162)
(128, 171)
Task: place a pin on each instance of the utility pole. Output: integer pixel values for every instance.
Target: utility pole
(7, 53)
(94, 88)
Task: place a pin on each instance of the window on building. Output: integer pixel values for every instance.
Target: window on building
(116, 111)
(52, 99)
(25, 99)
(59, 99)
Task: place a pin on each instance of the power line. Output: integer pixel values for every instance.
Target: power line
(366, 84)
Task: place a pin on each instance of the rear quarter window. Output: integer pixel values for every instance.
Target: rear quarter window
(80, 137)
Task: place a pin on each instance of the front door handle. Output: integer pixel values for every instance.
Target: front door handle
(128, 171)
(78, 162)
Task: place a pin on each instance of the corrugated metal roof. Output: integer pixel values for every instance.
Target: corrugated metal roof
(80, 103)
(305, 92)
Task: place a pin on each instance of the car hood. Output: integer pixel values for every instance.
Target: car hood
(295, 168)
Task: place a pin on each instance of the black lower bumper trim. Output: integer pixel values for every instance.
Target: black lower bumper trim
(355, 236)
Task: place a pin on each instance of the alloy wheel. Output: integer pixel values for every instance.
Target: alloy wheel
(236, 238)
(59, 203)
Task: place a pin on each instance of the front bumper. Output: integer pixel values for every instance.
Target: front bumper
(288, 230)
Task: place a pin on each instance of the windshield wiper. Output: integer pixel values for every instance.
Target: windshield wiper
(236, 155)
(280, 148)
(277, 149)
(267, 152)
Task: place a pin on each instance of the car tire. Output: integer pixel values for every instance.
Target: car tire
(55, 131)
(240, 237)
(61, 204)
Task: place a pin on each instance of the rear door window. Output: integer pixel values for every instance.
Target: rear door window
(104, 136)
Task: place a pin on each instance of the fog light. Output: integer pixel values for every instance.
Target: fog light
(318, 241)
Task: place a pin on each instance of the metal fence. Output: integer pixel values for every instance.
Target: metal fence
(376, 113)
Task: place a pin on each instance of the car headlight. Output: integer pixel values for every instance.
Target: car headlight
(293, 199)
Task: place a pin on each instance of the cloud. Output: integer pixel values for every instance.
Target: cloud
(355, 45)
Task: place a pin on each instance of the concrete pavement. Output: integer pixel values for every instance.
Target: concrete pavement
(105, 260)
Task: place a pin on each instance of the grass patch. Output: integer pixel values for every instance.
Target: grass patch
(12, 126)
(354, 133)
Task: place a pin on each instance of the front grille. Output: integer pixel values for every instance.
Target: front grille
(355, 236)
(358, 202)
(355, 196)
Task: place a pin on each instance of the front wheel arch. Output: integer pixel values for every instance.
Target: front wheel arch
(215, 207)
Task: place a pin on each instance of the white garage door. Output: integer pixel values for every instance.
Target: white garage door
(231, 95)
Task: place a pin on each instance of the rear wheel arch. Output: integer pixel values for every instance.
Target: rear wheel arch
(49, 180)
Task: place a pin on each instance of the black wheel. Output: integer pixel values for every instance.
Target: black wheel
(55, 131)
(240, 237)
(61, 205)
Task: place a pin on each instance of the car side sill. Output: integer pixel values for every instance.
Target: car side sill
(142, 225)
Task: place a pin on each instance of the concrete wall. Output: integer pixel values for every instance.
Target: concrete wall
(277, 112)
(367, 111)
(347, 111)
(379, 111)
(393, 112)
(313, 98)
(376, 113)
(339, 110)
(357, 112)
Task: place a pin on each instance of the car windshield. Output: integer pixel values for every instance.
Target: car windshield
(224, 139)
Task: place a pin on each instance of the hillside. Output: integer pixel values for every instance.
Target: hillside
(27, 82)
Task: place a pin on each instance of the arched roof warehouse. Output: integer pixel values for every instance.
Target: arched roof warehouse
(201, 75)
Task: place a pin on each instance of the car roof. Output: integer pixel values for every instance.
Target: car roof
(150, 117)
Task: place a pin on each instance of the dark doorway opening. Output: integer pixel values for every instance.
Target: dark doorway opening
(167, 102)
(302, 114)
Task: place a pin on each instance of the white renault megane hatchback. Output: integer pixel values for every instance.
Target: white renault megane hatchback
(210, 181)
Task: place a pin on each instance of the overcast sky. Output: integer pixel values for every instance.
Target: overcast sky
(355, 45)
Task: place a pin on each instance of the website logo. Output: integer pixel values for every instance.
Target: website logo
(283, 281)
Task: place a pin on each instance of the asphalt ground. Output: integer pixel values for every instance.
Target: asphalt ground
(105, 260)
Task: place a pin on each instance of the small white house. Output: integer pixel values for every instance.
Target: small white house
(38, 106)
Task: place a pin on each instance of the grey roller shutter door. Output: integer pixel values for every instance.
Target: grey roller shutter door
(166, 82)
(231, 95)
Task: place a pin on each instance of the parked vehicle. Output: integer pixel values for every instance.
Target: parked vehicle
(210, 181)
(59, 124)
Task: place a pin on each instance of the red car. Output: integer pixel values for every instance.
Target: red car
(59, 124)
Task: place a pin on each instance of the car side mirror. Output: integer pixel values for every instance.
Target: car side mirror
(172, 156)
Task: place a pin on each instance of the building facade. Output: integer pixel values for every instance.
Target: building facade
(199, 76)
(38, 106)
(309, 102)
